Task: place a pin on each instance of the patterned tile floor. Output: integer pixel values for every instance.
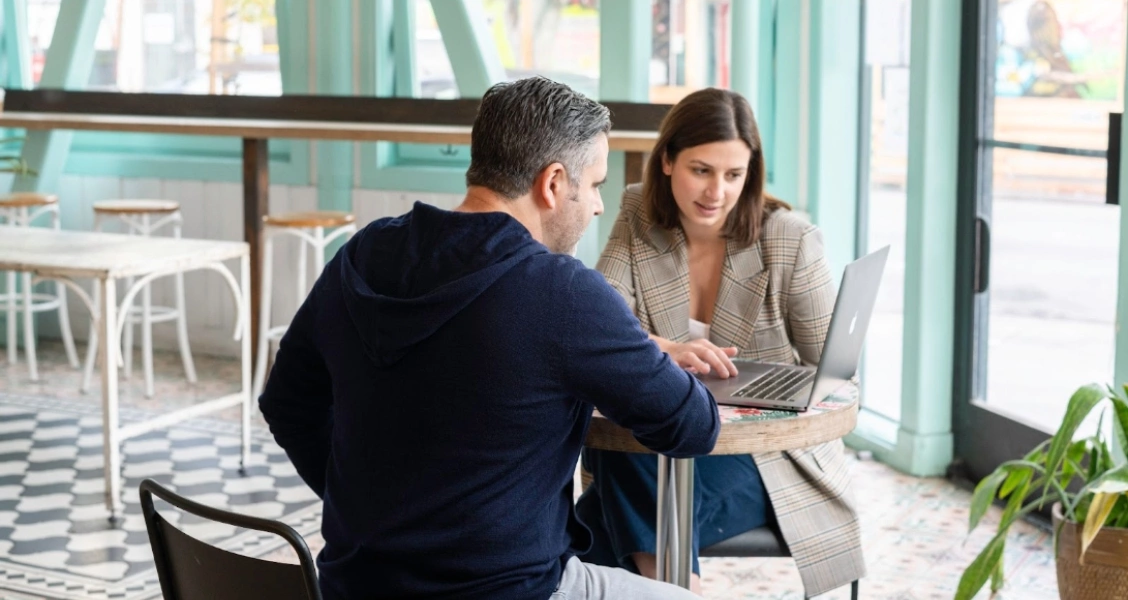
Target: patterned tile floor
(914, 530)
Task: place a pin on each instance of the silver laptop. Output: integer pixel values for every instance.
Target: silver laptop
(795, 387)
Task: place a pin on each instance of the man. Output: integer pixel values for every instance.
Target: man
(436, 385)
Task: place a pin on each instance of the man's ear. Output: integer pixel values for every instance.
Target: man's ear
(549, 186)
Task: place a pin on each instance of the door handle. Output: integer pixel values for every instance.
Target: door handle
(982, 255)
(1112, 176)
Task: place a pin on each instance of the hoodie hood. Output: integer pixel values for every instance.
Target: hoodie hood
(404, 278)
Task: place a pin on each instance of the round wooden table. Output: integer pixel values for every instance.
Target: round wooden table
(743, 431)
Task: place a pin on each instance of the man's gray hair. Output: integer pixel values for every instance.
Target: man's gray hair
(525, 125)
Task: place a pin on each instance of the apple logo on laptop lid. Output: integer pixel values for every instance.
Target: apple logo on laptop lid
(853, 323)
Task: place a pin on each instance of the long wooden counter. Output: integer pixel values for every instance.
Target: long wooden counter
(629, 141)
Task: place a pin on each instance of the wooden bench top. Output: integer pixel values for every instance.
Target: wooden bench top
(630, 141)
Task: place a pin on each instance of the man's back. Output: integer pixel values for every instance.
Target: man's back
(461, 361)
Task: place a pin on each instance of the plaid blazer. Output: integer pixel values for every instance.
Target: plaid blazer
(774, 304)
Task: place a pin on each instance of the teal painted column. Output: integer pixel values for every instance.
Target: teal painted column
(812, 154)
(745, 63)
(787, 95)
(625, 30)
(472, 52)
(377, 61)
(751, 64)
(924, 440)
(333, 74)
(294, 67)
(764, 105)
(17, 48)
(404, 82)
(67, 65)
(832, 149)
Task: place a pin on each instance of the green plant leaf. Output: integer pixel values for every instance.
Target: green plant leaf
(1016, 478)
(981, 568)
(1119, 441)
(1019, 471)
(1113, 481)
(984, 495)
(1119, 516)
(1080, 405)
(997, 577)
(1014, 504)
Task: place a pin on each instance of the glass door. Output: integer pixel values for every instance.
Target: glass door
(1039, 237)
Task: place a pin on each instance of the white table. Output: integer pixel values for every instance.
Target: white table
(107, 257)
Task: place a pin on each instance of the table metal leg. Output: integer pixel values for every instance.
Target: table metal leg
(662, 523)
(683, 470)
(111, 448)
(256, 203)
(245, 356)
(10, 290)
(674, 525)
(29, 327)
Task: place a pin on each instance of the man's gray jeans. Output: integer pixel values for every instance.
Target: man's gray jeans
(582, 581)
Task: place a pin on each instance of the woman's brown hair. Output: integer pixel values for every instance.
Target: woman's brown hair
(703, 117)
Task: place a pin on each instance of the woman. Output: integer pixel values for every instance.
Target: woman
(715, 268)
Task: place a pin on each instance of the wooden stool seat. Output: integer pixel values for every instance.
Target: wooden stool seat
(27, 199)
(313, 218)
(309, 227)
(136, 207)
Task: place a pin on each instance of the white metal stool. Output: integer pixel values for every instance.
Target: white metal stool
(20, 210)
(144, 217)
(310, 229)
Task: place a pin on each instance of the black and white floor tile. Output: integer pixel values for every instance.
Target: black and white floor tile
(55, 537)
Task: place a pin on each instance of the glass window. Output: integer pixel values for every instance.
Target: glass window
(691, 48)
(174, 46)
(1051, 303)
(560, 39)
(885, 102)
(555, 38)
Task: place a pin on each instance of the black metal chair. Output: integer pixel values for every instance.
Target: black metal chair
(193, 570)
(765, 542)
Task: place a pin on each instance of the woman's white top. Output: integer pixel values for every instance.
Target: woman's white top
(698, 330)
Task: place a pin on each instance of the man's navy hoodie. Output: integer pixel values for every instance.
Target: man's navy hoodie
(435, 389)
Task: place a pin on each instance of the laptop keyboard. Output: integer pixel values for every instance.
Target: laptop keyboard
(780, 383)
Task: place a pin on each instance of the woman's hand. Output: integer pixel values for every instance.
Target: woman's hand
(700, 356)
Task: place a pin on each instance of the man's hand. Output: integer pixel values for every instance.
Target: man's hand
(702, 356)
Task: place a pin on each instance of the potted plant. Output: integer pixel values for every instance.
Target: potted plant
(1086, 483)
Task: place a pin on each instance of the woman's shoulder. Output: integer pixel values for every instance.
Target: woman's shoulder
(632, 203)
(783, 224)
(633, 209)
(782, 234)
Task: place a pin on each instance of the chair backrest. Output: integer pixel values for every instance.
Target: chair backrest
(193, 570)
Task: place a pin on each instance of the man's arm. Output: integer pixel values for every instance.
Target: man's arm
(297, 400)
(609, 361)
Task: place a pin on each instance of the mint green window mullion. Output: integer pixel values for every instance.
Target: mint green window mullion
(17, 48)
(67, 66)
(474, 61)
